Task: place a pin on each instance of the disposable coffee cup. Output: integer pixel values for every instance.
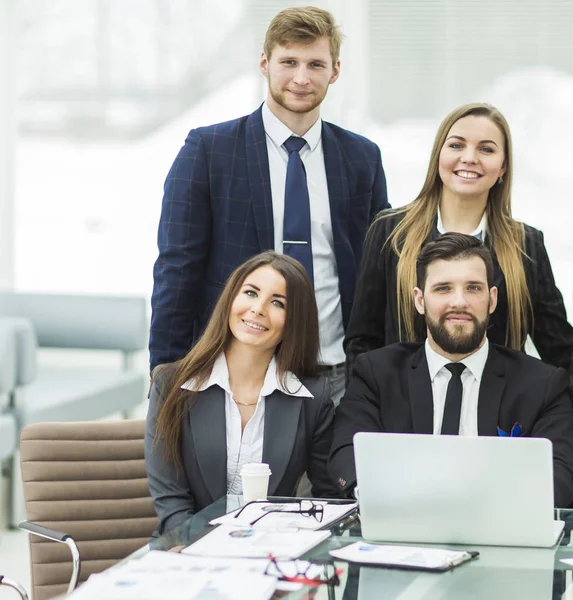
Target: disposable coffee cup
(255, 478)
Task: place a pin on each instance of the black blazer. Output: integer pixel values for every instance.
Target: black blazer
(390, 390)
(297, 439)
(373, 320)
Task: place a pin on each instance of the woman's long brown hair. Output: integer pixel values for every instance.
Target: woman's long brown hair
(297, 352)
(506, 234)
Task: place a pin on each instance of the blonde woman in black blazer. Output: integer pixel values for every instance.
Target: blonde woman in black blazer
(468, 190)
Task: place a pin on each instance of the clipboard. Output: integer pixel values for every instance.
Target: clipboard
(404, 557)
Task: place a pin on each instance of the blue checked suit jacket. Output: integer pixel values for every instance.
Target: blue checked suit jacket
(217, 212)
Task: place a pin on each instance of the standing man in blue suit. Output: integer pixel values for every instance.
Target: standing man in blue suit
(224, 197)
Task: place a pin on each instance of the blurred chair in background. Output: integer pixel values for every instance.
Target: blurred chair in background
(71, 389)
(9, 329)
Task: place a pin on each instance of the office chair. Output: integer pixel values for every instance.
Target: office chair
(85, 486)
(15, 585)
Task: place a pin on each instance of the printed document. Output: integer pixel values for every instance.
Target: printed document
(413, 557)
(248, 542)
(160, 575)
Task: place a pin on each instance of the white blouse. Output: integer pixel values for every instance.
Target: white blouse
(248, 447)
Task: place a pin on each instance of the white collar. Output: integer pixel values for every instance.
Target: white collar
(220, 376)
(480, 231)
(474, 362)
(280, 133)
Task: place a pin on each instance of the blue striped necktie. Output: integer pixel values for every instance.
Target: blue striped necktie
(296, 225)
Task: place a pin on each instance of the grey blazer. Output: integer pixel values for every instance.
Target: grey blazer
(297, 439)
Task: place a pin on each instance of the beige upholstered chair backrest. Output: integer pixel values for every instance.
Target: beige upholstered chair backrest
(87, 479)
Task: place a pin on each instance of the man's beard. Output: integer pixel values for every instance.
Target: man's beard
(458, 342)
(280, 98)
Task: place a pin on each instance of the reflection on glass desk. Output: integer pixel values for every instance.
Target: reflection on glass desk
(500, 572)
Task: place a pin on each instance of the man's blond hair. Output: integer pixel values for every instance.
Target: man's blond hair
(303, 25)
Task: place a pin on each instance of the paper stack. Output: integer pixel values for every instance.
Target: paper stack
(247, 542)
(160, 575)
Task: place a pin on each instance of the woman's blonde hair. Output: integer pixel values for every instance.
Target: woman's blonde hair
(506, 234)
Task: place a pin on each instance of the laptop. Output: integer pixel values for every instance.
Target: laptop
(449, 489)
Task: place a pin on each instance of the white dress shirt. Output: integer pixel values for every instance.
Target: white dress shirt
(471, 380)
(248, 446)
(479, 232)
(323, 260)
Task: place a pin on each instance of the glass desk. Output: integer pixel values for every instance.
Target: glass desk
(499, 572)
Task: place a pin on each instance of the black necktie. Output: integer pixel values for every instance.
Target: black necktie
(296, 224)
(453, 406)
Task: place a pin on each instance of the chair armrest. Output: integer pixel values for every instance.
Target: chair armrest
(14, 585)
(51, 534)
(7, 356)
(58, 536)
(23, 352)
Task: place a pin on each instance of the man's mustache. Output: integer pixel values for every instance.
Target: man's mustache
(457, 313)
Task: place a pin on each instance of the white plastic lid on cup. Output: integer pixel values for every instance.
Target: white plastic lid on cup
(255, 469)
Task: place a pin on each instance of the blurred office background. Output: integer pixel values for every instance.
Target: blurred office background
(97, 96)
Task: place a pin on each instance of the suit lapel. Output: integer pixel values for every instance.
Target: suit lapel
(490, 393)
(420, 393)
(339, 202)
(282, 416)
(337, 181)
(259, 179)
(208, 428)
(434, 233)
(498, 279)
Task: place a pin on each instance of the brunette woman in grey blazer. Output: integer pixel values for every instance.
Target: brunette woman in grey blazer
(246, 392)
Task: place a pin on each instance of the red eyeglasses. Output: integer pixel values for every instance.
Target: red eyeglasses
(300, 573)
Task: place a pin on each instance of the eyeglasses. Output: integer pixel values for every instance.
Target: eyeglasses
(306, 508)
(300, 572)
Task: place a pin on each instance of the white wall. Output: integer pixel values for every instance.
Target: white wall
(7, 143)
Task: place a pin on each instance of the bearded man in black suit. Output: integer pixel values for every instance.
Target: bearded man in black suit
(456, 382)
